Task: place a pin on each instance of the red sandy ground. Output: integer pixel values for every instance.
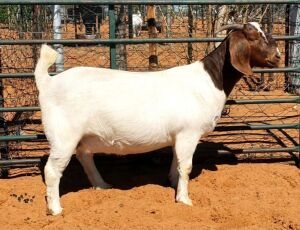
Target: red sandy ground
(236, 196)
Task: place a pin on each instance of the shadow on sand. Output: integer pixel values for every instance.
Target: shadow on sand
(126, 172)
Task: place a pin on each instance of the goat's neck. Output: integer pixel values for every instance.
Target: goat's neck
(218, 65)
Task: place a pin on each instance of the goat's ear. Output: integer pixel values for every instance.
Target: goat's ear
(239, 49)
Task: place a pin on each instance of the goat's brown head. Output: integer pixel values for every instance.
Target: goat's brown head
(250, 47)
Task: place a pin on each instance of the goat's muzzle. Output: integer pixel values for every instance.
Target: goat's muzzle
(274, 60)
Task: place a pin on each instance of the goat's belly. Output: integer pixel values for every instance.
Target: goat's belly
(95, 144)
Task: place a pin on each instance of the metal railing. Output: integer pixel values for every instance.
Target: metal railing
(113, 41)
(146, 2)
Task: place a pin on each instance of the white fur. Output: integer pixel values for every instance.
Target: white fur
(137, 23)
(91, 110)
(257, 26)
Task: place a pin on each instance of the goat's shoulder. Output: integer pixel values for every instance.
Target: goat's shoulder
(193, 73)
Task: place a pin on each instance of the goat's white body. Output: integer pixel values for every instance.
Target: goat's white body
(92, 110)
(130, 112)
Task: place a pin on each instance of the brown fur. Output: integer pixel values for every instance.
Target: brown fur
(237, 54)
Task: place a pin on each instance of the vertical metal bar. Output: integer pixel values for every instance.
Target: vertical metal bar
(99, 21)
(4, 153)
(287, 48)
(37, 29)
(190, 33)
(153, 59)
(59, 63)
(121, 55)
(209, 31)
(75, 21)
(1, 99)
(24, 25)
(130, 26)
(97, 25)
(112, 35)
(294, 49)
(169, 20)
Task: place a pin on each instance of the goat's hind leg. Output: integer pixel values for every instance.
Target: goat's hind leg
(173, 173)
(63, 141)
(58, 160)
(87, 161)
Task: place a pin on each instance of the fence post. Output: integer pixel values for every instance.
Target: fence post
(121, 55)
(112, 35)
(59, 63)
(190, 33)
(209, 32)
(130, 26)
(294, 52)
(286, 46)
(169, 20)
(3, 130)
(153, 59)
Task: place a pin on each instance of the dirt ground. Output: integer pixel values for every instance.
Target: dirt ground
(226, 195)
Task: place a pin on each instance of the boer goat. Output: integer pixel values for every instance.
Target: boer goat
(94, 110)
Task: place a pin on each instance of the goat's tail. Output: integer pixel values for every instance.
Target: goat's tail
(47, 58)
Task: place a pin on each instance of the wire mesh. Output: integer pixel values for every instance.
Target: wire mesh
(91, 21)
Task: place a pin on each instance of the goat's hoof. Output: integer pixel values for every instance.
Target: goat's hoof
(103, 186)
(54, 211)
(184, 200)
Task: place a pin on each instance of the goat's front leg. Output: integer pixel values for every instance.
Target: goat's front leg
(185, 146)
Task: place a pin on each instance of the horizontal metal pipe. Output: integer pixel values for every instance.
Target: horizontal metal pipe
(262, 101)
(20, 109)
(145, 2)
(229, 102)
(16, 162)
(22, 138)
(257, 150)
(256, 70)
(278, 70)
(16, 75)
(36, 161)
(257, 127)
(107, 42)
(124, 41)
(218, 128)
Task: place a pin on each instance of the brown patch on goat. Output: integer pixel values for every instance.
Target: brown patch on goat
(240, 52)
(237, 54)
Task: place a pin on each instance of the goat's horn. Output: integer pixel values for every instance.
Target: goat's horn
(230, 27)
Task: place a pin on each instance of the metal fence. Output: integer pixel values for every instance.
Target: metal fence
(262, 115)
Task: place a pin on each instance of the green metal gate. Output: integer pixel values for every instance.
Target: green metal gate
(7, 160)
